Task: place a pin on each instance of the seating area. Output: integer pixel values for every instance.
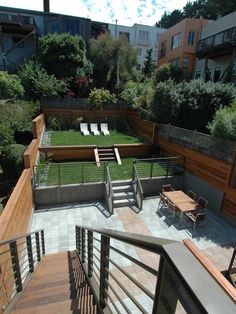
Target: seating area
(94, 129)
(184, 205)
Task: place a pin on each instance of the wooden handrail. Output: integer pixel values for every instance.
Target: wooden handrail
(212, 270)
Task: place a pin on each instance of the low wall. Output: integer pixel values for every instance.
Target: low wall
(152, 187)
(86, 152)
(38, 126)
(15, 218)
(74, 193)
(31, 154)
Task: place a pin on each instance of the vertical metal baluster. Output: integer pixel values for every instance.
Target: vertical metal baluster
(30, 253)
(16, 266)
(42, 242)
(37, 246)
(90, 253)
(59, 174)
(83, 245)
(104, 263)
(151, 169)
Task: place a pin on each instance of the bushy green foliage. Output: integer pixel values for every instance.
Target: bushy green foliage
(106, 53)
(38, 83)
(98, 97)
(167, 71)
(138, 94)
(192, 104)
(224, 123)
(10, 86)
(16, 116)
(12, 161)
(64, 55)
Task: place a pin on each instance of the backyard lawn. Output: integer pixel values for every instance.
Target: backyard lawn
(80, 172)
(76, 138)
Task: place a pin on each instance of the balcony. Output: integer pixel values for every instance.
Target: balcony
(16, 22)
(217, 45)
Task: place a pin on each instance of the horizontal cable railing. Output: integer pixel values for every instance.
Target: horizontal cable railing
(216, 147)
(67, 173)
(159, 167)
(19, 258)
(124, 283)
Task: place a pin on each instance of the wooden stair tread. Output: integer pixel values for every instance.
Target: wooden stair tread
(59, 285)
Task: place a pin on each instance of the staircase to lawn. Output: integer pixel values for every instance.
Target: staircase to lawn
(123, 193)
(106, 154)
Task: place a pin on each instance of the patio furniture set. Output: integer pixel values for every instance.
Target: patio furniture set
(178, 202)
(84, 128)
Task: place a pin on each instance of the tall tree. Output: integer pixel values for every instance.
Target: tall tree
(200, 9)
(223, 7)
(108, 55)
(149, 63)
(169, 19)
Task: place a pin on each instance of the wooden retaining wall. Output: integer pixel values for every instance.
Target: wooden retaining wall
(38, 126)
(86, 152)
(143, 128)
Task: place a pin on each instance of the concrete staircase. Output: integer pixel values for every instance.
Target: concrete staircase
(123, 193)
(59, 285)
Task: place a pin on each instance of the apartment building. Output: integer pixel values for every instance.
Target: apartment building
(142, 37)
(178, 44)
(20, 29)
(216, 50)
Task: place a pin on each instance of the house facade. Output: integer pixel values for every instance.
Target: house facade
(142, 37)
(178, 45)
(216, 50)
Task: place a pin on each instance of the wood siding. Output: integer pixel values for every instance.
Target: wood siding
(38, 126)
(31, 154)
(142, 128)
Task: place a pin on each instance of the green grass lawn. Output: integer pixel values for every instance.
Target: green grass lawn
(79, 172)
(76, 138)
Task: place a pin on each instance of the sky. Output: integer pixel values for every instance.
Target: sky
(126, 12)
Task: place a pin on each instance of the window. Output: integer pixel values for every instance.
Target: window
(208, 75)
(176, 41)
(191, 36)
(16, 39)
(72, 27)
(163, 49)
(175, 62)
(198, 75)
(139, 51)
(124, 34)
(217, 73)
(143, 36)
(186, 63)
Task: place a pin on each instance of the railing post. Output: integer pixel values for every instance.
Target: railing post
(59, 175)
(104, 172)
(30, 253)
(104, 265)
(37, 246)
(16, 266)
(83, 245)
(90, 253)
(82, 173)
(78, 239)
(193, 139)
(151, 169)
(42, 241)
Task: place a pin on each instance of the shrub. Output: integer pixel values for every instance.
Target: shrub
(38, 83)
(6, 134)
(12, 161)
(167, 71)
(10, 86)
(98, 97)
(192, 104)
(224, 123)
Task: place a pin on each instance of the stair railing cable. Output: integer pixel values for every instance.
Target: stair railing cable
(109, 191)
(19, 258)
(138, 190)
(124, 281)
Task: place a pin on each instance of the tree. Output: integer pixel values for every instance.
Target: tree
(167, 71)
(169, 19)
(149, 63)
(200, 9)
(106, 55)
(64, 55)
(38, 83)
(222, 7)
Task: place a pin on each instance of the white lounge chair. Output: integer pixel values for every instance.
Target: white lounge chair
(84, 128)
(104, 128)
(94, 128)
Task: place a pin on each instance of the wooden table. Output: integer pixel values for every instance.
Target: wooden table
(182, 201)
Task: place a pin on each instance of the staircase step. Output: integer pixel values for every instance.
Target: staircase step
(124, 202)
(106, 154)
(123, 195)
(107, 158)
(121, 183)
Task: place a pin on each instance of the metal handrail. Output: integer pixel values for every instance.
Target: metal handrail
(175, 280)
(110, 195)
(139, 189)
(22, 258)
